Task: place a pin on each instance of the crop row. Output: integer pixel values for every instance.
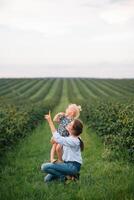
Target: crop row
(114, 122)
(94, 88)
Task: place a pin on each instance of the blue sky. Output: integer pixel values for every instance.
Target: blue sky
(88, 38)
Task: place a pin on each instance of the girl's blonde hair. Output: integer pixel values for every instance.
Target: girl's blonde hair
(77, 109)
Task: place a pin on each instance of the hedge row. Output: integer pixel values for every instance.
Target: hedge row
(17, 121)
(114, 122)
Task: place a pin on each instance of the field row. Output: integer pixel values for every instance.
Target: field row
(38, 89)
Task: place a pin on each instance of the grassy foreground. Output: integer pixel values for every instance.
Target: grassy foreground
(21, 177)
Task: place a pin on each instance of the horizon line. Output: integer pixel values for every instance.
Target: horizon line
(68, 77)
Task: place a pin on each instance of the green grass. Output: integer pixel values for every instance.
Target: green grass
(108, 180)
(21, 177)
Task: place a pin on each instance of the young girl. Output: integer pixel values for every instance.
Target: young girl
(72, 146)
(63, 119)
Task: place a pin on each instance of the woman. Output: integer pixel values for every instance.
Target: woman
(72, 146)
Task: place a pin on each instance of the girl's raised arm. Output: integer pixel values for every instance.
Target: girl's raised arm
(58, 116)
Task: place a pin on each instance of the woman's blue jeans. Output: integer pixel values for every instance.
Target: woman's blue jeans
(60, 170)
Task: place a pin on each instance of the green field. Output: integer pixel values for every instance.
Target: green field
(108, 115)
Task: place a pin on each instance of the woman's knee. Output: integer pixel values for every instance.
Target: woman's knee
(45, 167)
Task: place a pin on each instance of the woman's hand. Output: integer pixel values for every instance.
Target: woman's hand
(50, 122)
(48, 117)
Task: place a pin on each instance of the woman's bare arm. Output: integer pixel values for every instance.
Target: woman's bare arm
(50, 122)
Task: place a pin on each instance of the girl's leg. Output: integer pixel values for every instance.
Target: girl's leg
(59, 152)
(52, 153)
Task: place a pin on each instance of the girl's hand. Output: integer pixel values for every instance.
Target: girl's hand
(58, 116)
(61, 114)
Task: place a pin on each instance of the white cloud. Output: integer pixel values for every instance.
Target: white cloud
(65, 33)
(118, 13)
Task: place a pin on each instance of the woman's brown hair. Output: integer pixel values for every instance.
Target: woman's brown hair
(78, 128)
